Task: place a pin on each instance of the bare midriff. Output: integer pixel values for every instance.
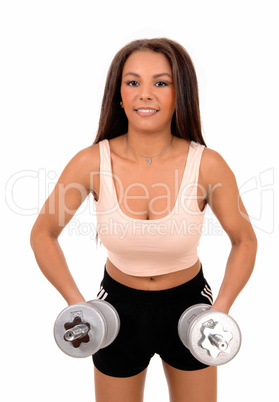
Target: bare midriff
(158, 282)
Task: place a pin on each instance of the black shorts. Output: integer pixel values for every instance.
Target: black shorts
(149, 322)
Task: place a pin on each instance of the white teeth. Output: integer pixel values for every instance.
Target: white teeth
(146, 110)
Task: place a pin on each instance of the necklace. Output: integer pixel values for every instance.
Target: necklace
(149, 161)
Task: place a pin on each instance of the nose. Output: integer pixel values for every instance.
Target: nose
(146, 97)
(146, 93)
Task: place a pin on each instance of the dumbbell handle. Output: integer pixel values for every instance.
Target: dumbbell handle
(219, 342)
(76, 332)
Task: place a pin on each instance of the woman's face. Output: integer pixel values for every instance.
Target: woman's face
(147, 91)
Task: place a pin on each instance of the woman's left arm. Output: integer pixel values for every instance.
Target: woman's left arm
(224, 199)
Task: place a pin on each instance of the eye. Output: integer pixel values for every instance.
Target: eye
(161, 84)
(132, 83)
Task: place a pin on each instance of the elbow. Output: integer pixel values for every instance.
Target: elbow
(252, 247)
(253, 241)
(250, 250)
(35, 233)
(248, 239)
(33, 237)
(255, 245)
(38, 236)
(248, 245)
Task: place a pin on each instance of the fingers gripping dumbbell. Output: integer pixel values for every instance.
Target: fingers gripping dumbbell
(212, 337)
(80, 330)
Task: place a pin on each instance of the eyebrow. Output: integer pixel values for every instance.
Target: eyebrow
(154, 76)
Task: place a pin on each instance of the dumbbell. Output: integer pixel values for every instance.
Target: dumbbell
(213, 337)
(81, 329)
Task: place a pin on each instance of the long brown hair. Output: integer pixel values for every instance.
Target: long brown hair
(186, 122)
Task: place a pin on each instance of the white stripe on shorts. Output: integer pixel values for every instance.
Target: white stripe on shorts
(208, 297)
(207, 292)
(101, 292)
(105, 296)
(102, 295)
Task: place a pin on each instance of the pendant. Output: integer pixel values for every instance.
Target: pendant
(149, 160)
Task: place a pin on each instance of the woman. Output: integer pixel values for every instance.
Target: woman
(152, 177)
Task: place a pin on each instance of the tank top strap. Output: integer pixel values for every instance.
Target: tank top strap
(193, 163)
(189, 186)
(106, 196)
(105, 165)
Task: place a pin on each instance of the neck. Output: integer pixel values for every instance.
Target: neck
(149, 144)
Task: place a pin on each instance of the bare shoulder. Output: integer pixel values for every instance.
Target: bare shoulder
(212, 161)
(214, 165)
(87, 158)
(81, 167)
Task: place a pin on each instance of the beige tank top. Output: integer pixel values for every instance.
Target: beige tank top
(156, 246)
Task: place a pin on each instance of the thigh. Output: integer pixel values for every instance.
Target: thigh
(171, 349)
(191, 386)
(130, 353)
(117, 389)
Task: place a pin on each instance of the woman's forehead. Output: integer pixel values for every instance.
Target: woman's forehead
(147, 61)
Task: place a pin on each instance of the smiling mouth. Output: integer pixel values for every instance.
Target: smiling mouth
(146, 112)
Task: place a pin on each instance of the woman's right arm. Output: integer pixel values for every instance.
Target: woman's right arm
(78, 179)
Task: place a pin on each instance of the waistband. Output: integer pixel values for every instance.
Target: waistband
(176, 293)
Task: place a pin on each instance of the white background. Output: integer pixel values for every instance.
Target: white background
(54, 59)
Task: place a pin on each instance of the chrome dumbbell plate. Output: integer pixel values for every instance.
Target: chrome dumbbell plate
(213, 337)
(112, 320)
(80, 330)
